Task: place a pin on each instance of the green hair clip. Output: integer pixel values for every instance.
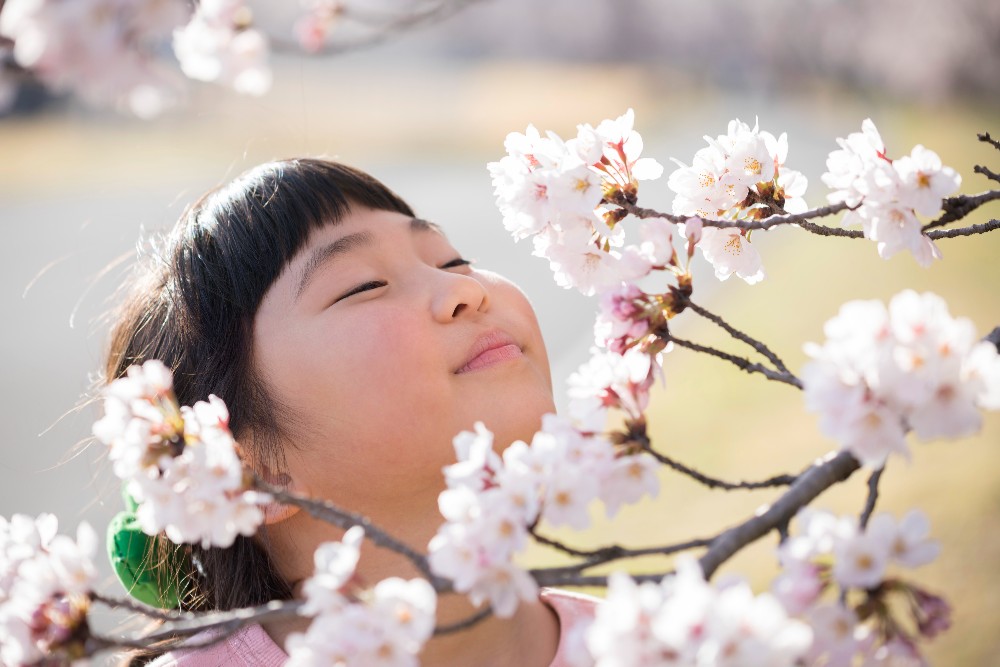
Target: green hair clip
(132, 553)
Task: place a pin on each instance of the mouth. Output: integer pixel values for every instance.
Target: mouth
(490, 349)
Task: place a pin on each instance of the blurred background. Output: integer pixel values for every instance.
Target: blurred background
(425, 109)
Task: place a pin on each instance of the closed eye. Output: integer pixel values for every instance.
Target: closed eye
(363, 287)
(458, 261)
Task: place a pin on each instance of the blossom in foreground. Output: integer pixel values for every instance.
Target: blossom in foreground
(386, 625)
(491, 500)
(179, 463)
(740, 175)
(552, 190)
(882, 371)
(864, 621)
(886, 194)
(686, 621)
(45, 580)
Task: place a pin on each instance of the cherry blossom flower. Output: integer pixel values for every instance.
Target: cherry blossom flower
(214, 47)
(887, 195)
(179, 463)
(552, 191)
(685, 621)
(105, 51)
(739, 175)
(45, 581)
(911, 365)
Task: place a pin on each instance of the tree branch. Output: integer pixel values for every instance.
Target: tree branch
(464, 624)
(956, 208)
(326, 511)
(748, 225)
(757, 345)
(986, 138)
(740, 362)
(713, 483)
(611, 552)
(873, 481)
(835, 468)
(988, 173)
(964, 231)
(226, 623)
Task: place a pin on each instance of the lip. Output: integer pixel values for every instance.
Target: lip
(491, 348)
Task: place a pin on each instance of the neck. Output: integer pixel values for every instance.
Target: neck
(529, 638)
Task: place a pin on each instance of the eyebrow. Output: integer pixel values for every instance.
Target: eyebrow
(346, 244)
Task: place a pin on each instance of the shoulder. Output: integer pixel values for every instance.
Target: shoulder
(569, 605)
(248, 647)
(576, 612)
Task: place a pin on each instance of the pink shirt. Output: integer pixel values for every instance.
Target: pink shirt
(252, 647)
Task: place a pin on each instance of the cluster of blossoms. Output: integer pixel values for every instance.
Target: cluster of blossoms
(218, 45)
(180, 464)
(555, 191)
(101, 50)
(112, 50)
(740, 175)
(685, 621)
(886, 195)
(491, 501)
(45, 582)
(836, 552)
(313, 27)
(884, 371)
(384, 626)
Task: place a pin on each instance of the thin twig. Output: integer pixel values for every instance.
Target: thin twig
(612, 552)
(873, 481)
(740, 362)
(822, 475)
(145, 610)
(987, 172)
(822, 230)
(986, 138)
(226, 623)
(964, 231)
(713, 483)
(458, 626)
(326, 511)
(739, 335)
(958, 207)
(557, 577)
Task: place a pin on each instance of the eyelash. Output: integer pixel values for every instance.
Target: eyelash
(375, 284)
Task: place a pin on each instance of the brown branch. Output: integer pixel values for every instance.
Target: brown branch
(964, 231)
(749, 225)
(612, 552)
(872, 498)
(757, 345)
(226, 623)
(713, 483)
(986, 138)
(740, 362)
(958, 207)
(464, 624)
(819, 477)
(987, 172)
(326, 511)
(557, 577)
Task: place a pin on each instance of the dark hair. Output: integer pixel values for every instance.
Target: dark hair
(192, 304)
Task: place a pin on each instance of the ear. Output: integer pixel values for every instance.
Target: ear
(276, 512)
(273, 512)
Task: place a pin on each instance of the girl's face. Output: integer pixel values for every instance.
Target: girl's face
(382, 344)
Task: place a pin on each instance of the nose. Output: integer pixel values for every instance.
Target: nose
(458, 294)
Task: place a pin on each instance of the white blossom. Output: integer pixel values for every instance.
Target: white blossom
(887, 195)
(912, 365)
(685, 621)
(179, 463)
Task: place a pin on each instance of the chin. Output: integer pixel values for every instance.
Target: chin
(516, 419)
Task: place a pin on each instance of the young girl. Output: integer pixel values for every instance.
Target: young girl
(351, 342)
